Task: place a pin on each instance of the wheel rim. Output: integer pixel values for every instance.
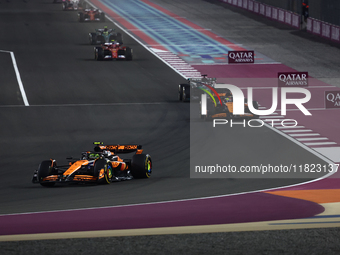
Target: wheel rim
(108, 175)
(148, 168)
(109, 172)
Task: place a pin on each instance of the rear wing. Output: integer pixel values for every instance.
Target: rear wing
(199, 82)
(119, 148)
(102, 30)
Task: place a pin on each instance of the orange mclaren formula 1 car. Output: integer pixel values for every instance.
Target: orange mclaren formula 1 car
(101, 166)
(91, 15)
(195, 87)
(112, 51)
(226, 109)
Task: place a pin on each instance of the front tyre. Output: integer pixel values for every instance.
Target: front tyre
(103, 171)
(141, 166)
(44, 170)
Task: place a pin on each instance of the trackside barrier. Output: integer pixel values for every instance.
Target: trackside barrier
(281, 15)
(317, 27)
(323, 29)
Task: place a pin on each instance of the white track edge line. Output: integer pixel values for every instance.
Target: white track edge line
(17, 73)
(21, 86)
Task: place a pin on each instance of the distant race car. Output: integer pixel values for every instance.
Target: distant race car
(195, 87)
(101, 166)
(91, 15)
(71, 5)
(105, 35)
(112, 51)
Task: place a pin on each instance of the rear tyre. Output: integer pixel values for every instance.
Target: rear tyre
(212, 109)
(102, 17)
(128, 53)
(81, 17)
(186, 93)
(141, 166)
(98, 53)
(93, 38)
(63, 6)
(182, 91)
(101, 39)
(119, 38)
(44, 170)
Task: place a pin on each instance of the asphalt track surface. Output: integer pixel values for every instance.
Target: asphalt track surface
(75, 101)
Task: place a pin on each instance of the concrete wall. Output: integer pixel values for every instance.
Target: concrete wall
(291, 5)
(322, 21)
(325, 10)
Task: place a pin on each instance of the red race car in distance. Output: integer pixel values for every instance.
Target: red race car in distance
(112, 51)
(91, 15)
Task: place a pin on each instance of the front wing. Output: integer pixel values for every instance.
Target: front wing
(80, 178)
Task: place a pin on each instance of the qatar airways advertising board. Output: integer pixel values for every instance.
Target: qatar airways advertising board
(293, 79)
(332, 99)
(241, 57)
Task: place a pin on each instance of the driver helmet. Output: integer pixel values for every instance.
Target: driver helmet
(107, 153)
(228, 99)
